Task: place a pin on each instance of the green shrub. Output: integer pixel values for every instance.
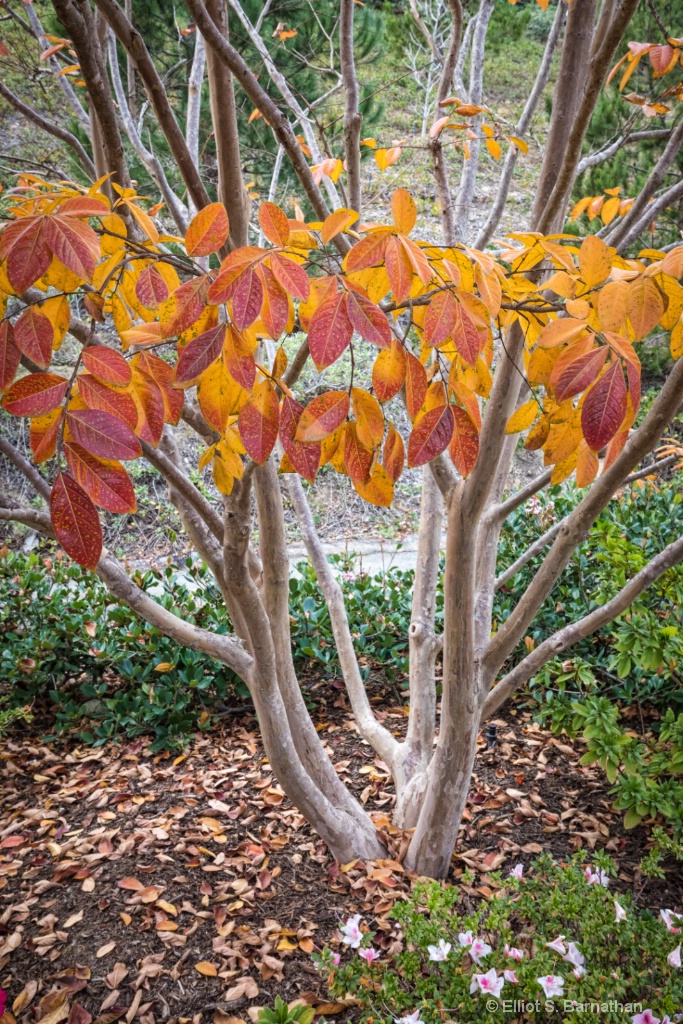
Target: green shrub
(559, 923)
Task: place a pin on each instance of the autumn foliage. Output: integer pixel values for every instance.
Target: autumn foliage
(581, 325)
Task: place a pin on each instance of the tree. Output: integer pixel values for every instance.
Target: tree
(536, 337)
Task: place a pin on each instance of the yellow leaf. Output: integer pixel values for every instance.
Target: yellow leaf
(677, 341)
(595, 261)
(610, 210)
(207, 969)
(494, 148)
(519, 143)
(522, 418)
(164, 666)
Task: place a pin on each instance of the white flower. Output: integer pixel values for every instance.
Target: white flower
(667, 917)
(465, 938)
(412, 1018)
(489, 983)
(619, 912)
(478, 949)
(646, 1017)
(369, 954)
(517, 871)
(674, 957)
(353, 936)
(552, 985)
(598, 877)
(513, 952)
(573, 955)
(511, 976)
(439, 952)
(558, 945)
(579, 972)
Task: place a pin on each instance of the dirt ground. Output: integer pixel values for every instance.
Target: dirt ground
(167, 888)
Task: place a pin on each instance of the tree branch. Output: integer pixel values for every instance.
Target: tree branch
(133, 43)
(607, 152)
(52, 129)
(352, 116)
(564, 638)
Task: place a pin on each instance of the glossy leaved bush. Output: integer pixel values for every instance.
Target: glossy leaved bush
(188, 313)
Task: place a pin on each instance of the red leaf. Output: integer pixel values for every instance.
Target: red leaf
(291, 276)
(431, 435)
(357, 457)
(329, 331)
(416, 385)
(239, 359)
(634, 386)
(33, 335)
(84, 206)
(232, 267)
(275, 307)
(208, 231)
(274, 223)
(394, 454)
(150, 288)
(105, 481)
(107, 365)
(580, 374)
(466, 336)
(184, 307)
(75, 521)
(304, 456)
(259, 421)
(604, 408)
(162, 375)
(103, 435)
(28, 255)
(10, 356)
(198, 354)
(97, 395)
(464, 446)
(323, 415)
(74, 244)
(368, 320)
(35, 394)
(440, 318)
(247, 298)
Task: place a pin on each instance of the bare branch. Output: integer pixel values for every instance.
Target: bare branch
(52, 129)
(352, 116)
(62, 80)
(134, 44)
(657, 206)
(522, 127)
(519, 497)
(186, 488)
(39, 483)
(574, 632)
(194, 100)
(607, 152)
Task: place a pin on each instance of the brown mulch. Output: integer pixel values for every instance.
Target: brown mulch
(164, 888)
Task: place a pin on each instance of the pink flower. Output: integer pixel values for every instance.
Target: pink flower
(465, 938)
(667, 917)
(353, 936)
(674, 957)
(488, 984)
(478, 949)
(369, 954)
(552, 985)
(336, 959)
(558, 945)
(598, 877)
(517, 872)
(619, 912)
(439, 952)
(646, 1017)
(511, 976)
(579, 972)
(513, 952)
(3, 1001)
(573, 955)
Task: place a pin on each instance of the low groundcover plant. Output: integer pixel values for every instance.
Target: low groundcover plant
(552, 942)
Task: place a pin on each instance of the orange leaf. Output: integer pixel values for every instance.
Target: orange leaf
(404, 211)
(208, 231)
(35, 394)
(330, 330)
(595, 260)
(389, 371)
(338, 221)
(259, 421)
(394, 454)
(464, 444)
(323, 415)
(274, 223)
(369, 418)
